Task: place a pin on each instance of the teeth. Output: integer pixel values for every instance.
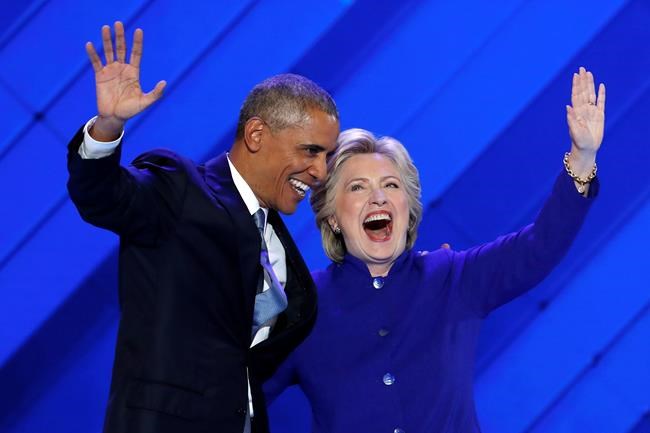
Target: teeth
(378, 217)
(300, 186)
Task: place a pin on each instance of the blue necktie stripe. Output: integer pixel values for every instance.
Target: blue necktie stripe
(273, 301)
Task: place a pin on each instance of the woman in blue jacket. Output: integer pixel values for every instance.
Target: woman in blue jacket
(394, 344)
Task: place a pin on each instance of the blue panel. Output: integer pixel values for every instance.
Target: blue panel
(210, 95)
(564, 339)
(166, 56)
(341, 54)
(422, 55)
(492, 198)
(90, 246)
(67, 337)
(452, 74)
(418, 87)
(13, 115)
(45, 272)
(53, 41)
(512, 67)
(74, 400)
(14, 16)
(623, 187)
(40, 147)
(613, 394)
(643, 426)
(35, 167)
(532, 147)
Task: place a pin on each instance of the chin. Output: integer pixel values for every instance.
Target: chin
(289, 207)
(382, 256)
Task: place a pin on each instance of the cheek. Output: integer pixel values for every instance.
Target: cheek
(404, 210)
(347, 212)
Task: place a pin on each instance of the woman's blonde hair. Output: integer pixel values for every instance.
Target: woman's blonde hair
(355, 142)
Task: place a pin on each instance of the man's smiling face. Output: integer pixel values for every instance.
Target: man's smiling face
(294, 160)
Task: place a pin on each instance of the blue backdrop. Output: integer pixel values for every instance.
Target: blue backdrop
(475, 89)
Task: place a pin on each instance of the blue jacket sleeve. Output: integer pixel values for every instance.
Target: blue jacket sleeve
(285, 376)
(494, 273)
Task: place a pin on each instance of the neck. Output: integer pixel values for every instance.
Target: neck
(242, 161)
(379, 269)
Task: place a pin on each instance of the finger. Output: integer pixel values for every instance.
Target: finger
(94, 58)
(601, 97)
(575, 90)
(155, 94)
(120, 43)
(571, 118)
(108, 44)
(584, 90)
(591, 89)
(136, 49)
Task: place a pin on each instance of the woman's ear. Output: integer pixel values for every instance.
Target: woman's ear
(334, 225)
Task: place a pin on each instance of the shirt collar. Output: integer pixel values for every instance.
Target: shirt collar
(245, 191)
(360, 267)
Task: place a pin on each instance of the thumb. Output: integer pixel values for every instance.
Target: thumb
(155, 94)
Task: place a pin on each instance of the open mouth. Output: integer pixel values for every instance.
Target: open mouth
(378, 226)
(301, 188)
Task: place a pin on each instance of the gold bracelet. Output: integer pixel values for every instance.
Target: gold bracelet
(576, 178)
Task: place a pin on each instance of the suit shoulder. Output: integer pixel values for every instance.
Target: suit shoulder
(440, 258)
(165, 160)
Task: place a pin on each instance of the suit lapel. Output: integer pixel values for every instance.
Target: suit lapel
(300, 287)
(293, 257)
(219, 180)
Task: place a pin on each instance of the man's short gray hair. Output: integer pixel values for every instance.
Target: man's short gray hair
(283, 101)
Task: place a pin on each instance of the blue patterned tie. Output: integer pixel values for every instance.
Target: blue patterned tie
(273, 301)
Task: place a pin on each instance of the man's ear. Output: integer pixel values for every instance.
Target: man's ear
(253, 134)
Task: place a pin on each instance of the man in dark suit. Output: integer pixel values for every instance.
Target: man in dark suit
(193, 346)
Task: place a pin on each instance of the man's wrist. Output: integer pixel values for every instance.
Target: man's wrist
(106, 129)
(91, 148)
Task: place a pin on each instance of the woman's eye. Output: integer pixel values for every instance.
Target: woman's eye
(356, 187)
(392, 185)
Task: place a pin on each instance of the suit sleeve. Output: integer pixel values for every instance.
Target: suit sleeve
(140, 202)
(494, 273)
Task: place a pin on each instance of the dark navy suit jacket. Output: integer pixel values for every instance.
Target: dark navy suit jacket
(188, 273)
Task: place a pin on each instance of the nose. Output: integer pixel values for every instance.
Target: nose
(318, 169)
(378, 197)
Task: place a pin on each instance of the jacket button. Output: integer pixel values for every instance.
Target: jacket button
(241, 411)
(388, 379)
(383, 332)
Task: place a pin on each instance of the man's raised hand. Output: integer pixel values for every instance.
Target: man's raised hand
(119, 95)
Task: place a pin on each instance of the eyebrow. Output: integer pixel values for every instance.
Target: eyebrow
(365, 179)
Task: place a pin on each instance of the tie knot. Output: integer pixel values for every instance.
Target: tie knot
(260, 220)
